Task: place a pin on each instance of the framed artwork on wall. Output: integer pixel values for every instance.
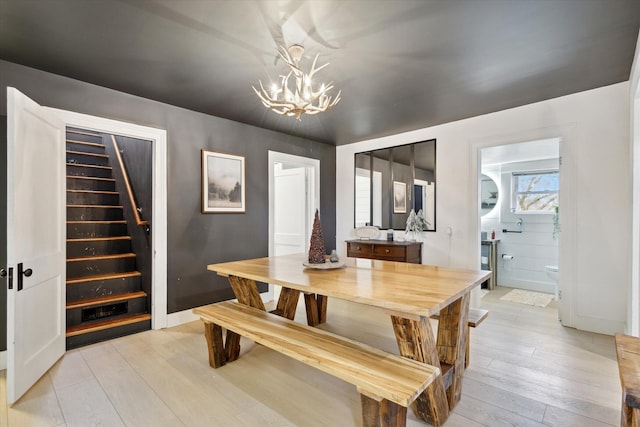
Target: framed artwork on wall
(223, 183)
(399, 197)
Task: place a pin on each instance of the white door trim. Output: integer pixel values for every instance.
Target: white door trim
(159, 215)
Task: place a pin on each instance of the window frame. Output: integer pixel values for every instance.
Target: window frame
(515, 193)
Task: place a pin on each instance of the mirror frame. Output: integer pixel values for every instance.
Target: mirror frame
(410, 201)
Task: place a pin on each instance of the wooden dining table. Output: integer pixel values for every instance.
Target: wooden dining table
(409, 293)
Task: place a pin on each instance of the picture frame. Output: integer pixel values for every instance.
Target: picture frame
(223, 183)
(399, 197)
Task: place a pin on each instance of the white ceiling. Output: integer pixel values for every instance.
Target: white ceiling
(542, 149)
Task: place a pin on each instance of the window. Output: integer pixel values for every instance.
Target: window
(535, 192)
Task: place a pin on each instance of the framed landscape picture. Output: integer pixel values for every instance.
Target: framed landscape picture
(399, 197)
(223, 183)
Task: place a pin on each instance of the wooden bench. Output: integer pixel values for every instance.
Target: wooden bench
(628, 351)
(476, 316)
(387, 383)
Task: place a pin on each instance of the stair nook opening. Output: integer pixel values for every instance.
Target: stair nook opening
(128, 238)
(109, 235)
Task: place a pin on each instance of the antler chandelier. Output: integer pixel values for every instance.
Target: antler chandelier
(301, 98)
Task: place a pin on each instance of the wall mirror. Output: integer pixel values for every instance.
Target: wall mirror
(488, 194)
(390, 182)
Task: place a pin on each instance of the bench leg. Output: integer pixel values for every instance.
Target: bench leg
(220, 353)
(415, 341)
(382, 413)
(316, 306)
(217, 355)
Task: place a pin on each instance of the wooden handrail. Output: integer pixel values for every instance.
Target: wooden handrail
(127, 184)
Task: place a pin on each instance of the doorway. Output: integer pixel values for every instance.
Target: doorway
(158, 138)
(519, 205)
(294, 196)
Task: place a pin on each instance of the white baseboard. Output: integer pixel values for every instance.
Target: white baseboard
(186, 316)
(3, 360)
(180, 317)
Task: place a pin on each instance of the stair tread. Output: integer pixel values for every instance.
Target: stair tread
(106, 324)
(92, 191)
(96, 206)
(101, 257)
(82, 165)
(96, 178)
(103, 277)
(84, 153)
(92, 144)
(79, 132)
(98, 239)
(105, 299)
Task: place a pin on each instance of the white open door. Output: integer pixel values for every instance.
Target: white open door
(290, 216)
(36, 218)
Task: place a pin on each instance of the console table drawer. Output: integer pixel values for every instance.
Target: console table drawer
(389, 251)
(362, 250)
(386, 251)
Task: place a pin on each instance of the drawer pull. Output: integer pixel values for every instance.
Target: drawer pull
(387, 251)
(359, 248)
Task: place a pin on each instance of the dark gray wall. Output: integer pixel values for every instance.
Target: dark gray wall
(137, 156)
(3, 230)
(194, 239)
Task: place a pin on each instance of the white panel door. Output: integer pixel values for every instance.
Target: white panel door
(290, 216)
(36, 218)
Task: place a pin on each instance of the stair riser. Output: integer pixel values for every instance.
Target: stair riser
(76, 170)
(92, 199)
(100, 247)
(90, 184)
(84, 148)
(95, 230)
(107, 334)
(134, 306)
(87, 159)
(102, 288)
(94, 214)
(86, 138)
(92, 267)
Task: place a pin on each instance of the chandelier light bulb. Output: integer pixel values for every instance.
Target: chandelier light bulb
(300, 98)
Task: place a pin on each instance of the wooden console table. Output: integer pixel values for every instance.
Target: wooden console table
(385, 250)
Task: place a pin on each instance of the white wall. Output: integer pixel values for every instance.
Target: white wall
(596, 216)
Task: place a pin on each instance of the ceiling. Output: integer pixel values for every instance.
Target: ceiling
(401, 65)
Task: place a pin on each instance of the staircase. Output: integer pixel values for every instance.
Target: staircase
(104, 296)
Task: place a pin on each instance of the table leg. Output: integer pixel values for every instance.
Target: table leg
(452, 343)
(416, 341)
(316, 306)
(287, 303)
(246, 291)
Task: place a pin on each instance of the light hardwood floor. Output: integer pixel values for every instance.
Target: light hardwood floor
(526, 370)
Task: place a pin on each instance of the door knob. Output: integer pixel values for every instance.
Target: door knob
(3, 273)
(28, 272)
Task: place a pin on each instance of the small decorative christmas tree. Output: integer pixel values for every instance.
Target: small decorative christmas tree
(317, 252)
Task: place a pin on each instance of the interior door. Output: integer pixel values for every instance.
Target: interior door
(290, 222)
(36, 218)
